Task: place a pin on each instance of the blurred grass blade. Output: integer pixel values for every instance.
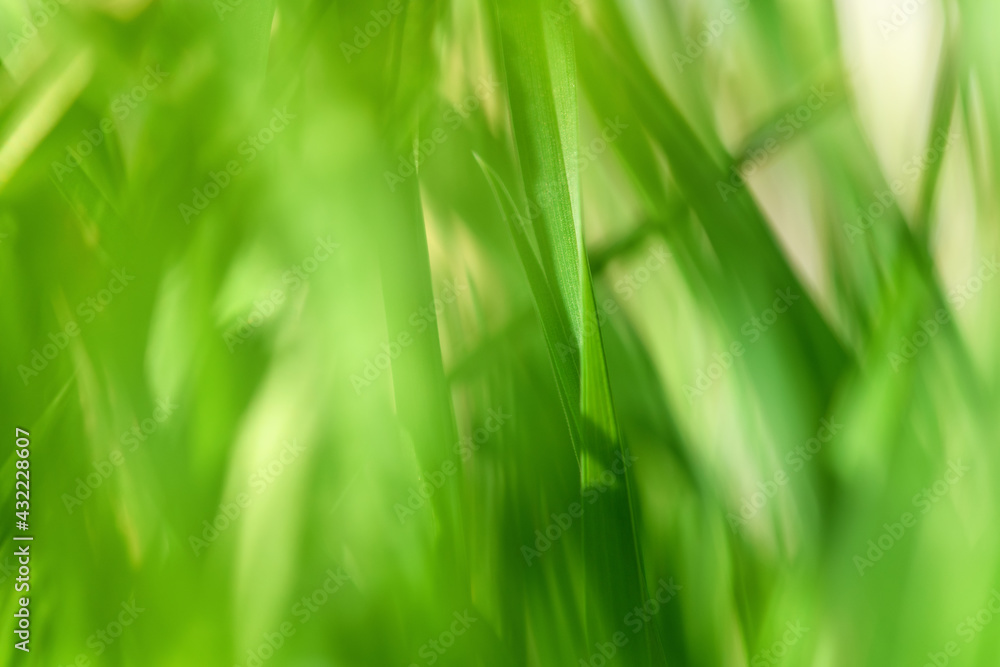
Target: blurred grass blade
(540, 66)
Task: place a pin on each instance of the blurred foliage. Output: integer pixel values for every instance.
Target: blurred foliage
(502, 332)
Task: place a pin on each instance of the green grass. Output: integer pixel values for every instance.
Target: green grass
(410, 333)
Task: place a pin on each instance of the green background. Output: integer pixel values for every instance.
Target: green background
(501, 332)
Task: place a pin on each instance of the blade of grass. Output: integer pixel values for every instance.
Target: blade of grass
(540, 67)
